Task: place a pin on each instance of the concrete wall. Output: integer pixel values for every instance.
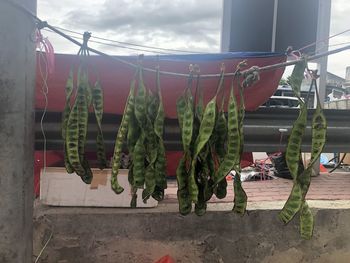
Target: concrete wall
(17, 82)
(114, 235)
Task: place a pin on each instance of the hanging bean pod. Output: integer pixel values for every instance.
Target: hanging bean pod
(151, 149)
(240, 199)
(69, 90)
(122, 132)
(160, 164)
(233, 140)
(306, 221)
(72, 140)
(183, 196)
(319, 133)
(139, 163)
(220, 139)
(83, 109)
(292, 206)
(297, 77)
(97, 101)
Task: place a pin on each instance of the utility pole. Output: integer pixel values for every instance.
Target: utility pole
(323, 25)
(17, 85)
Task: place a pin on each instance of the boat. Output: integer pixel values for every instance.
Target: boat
(115, 78)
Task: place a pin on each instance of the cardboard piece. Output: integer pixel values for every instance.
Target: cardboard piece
(100, 178)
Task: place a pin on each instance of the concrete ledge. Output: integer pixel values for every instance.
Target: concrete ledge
(145, 235)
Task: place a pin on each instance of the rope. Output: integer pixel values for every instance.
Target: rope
(338, 164)
(44, 247)
(45, 91)
(245, 72)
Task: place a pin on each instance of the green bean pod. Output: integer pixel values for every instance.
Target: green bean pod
(297, 77)
(205, 130)
(160, 164)
(201, 205)
(83, 108)
(292, 206)
(150, 183)
(140, 151)
(72, 140)
(319, 133)
(293, 152)
(141, 104)
(295, 140)
(152, 151)
(233, 141)
(240, 199)
(180, 109)
(133, 202)
(183, 196)
(69, 90)
(187, 127)
(133, 133)
(139, 163)
(122, 132)
(306, 221)
(97, 101)
(160, 173)
(220, 132)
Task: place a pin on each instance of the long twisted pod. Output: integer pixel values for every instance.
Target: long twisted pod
(319, 133)
(141, 117)
(84, 98)
(185, 118)
(97, 101)
(67, 108)
(205, 131)
(132, 136)
(240, 196)
(202, 169)
(122, 132)
(77, 130)
(220, 139)
(183, 196)
(293, 204)
(72, 140)
(160, 164)
(233, 140)
(151, 149)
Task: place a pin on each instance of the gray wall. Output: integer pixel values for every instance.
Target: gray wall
(124, 235)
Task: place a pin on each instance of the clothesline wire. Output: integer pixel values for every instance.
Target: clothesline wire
(149, 51)
(244, 72)
(131, 44)
(114, 45)
(323, 40)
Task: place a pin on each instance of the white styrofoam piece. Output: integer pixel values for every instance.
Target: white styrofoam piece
(58, 188)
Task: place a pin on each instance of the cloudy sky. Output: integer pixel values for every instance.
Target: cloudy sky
(189, 25)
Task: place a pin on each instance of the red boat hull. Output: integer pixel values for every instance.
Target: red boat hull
(115, 79)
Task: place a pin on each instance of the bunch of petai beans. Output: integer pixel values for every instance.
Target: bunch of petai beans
(212, 143)
(75, 122)
(142, 126)
(212, 139)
